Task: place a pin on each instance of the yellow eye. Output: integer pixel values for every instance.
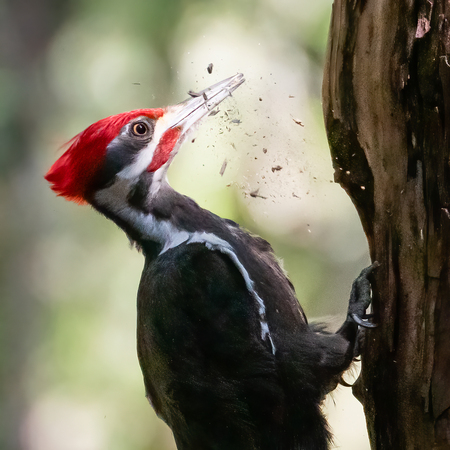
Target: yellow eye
(140, 129)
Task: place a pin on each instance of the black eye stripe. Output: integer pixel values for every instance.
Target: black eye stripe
(121, 151)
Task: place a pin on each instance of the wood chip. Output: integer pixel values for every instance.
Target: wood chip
(276, 168)
(223, 168)
(210, 67)
(255, 194)
(298, 122)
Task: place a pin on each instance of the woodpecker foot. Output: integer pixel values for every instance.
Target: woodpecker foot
(360, 298)
(363, 321)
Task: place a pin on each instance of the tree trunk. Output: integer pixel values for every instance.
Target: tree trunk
(387, 113)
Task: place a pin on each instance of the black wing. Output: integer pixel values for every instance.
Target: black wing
(207, 370)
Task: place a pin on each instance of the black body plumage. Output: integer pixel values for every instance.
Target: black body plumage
(209, 372)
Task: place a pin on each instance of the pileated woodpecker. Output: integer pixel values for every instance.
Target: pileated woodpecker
(228, 358)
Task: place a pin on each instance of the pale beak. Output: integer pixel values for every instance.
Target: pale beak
(188, 113)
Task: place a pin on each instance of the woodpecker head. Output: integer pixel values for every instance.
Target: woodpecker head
(121, 148)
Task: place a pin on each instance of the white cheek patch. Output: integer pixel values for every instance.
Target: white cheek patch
(145, 156)
(159, 177)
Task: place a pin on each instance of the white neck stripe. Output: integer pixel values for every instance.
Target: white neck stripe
(212, 242)
(166, 234)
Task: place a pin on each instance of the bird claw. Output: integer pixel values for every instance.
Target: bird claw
(360, 298)
(363, 321)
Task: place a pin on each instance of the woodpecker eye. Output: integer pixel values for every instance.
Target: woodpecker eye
(140, 129)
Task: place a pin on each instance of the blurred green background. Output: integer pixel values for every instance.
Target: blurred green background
(69, 375)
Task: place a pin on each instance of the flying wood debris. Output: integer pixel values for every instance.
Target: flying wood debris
(224, 166)
(198, 94)
(255, 194)
(298, 122)
(276, 168)
(210, 68)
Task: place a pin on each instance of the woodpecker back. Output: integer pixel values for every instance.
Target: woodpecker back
(228, 358)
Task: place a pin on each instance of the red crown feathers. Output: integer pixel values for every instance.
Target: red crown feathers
(73, 174)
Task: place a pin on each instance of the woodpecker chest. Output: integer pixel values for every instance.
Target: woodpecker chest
(197, 324)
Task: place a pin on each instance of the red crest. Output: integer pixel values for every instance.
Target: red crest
(73, 174)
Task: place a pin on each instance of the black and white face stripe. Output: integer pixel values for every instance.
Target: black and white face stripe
(123, 150)
(185, 117)
(131, 153)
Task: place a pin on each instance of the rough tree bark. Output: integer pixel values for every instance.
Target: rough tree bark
(386, 100)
